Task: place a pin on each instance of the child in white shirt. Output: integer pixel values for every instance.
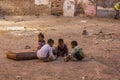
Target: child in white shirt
(46, 52)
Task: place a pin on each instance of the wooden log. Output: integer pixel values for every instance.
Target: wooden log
(21, 55)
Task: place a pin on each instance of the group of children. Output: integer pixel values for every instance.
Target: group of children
(45, 51)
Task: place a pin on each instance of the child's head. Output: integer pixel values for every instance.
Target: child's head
(40, 36)
(74, 44)
(50, 42)
(60, 42)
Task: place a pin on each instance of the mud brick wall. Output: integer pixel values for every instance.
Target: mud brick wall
(22, 7)
(87, 7)
(57, 7)
(28, 7)
(79, 8)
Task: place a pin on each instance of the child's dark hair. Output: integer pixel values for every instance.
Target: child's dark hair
(60, 40)
(74, 43)
(50, 41)
(41, 35)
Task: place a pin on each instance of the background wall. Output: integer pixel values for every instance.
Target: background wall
(23, 7)
(105, 8)
(28, 7)
(107, 3)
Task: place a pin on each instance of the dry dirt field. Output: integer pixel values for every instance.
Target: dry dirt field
(101, 46)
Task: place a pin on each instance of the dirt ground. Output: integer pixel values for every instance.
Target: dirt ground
(101, 46)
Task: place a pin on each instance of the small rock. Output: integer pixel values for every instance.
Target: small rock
(84, 32)
(83, 78)
(37, 15)
(101, 31)
(18, 78)
(83, 21)
(27, 47)
(96, 43)
(53, 29)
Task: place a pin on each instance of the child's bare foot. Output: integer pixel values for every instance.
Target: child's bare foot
(67, 58)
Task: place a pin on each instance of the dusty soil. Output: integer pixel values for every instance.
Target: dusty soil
(101, 46)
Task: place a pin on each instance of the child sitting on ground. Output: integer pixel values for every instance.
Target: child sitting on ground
(41, 41)
(62, 49)
(46, 53)
(77, 52)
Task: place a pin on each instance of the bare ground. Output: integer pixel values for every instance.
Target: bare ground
(102, 51)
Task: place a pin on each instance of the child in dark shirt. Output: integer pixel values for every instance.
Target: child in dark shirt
(41, 41)
(62, 49)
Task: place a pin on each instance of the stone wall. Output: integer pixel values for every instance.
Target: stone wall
(88, 7)
(107, 3)
(105, 8)
(23, 7)
(55, 7)
(44, 7)
(69, 8)
(42, 2)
